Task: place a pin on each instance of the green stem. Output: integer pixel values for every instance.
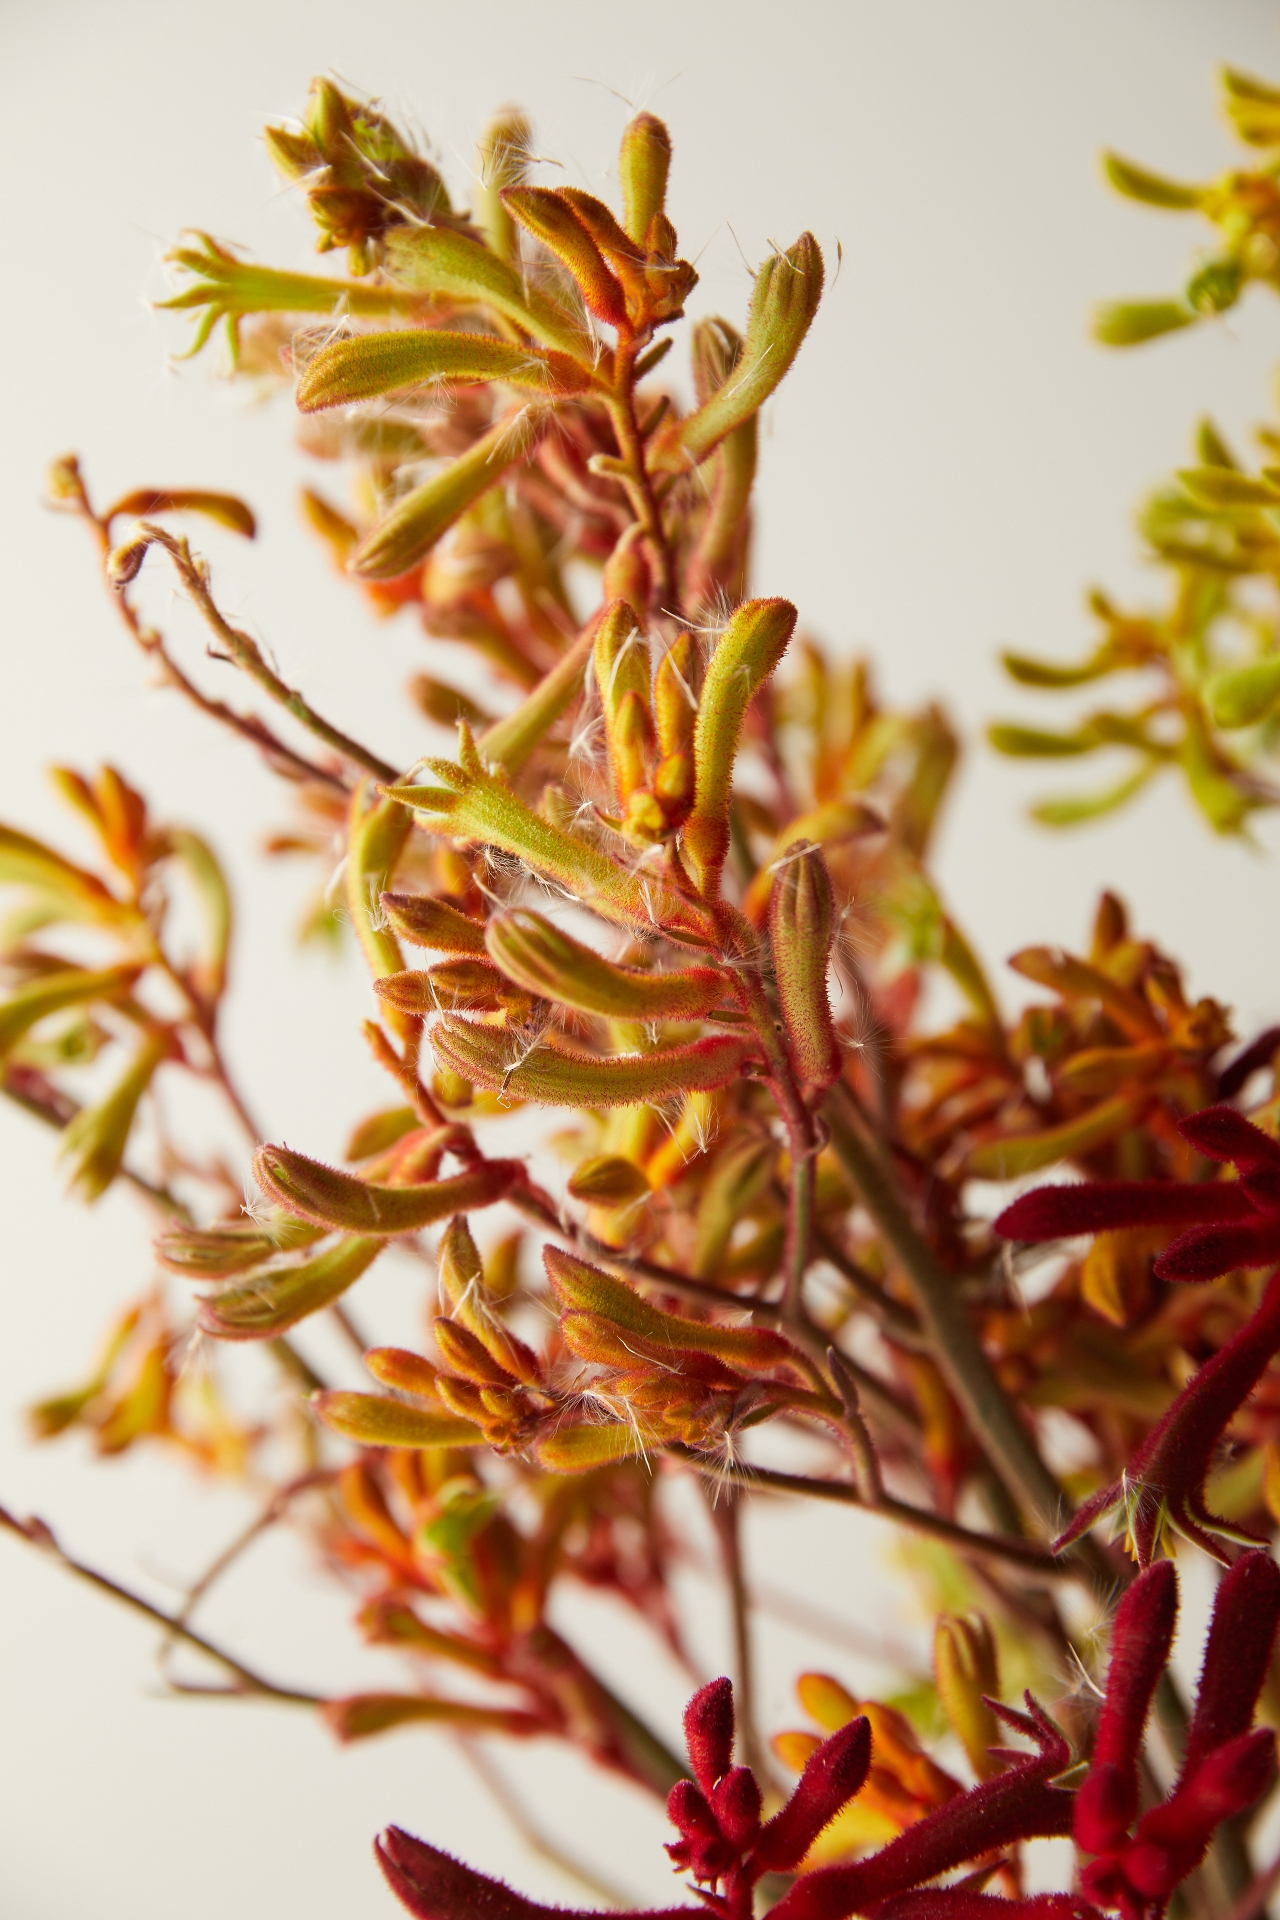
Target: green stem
(953, 1343)
(637, 479)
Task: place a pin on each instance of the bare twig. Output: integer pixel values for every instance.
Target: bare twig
(247, 655)
(246, 1681)
(1006, 1548)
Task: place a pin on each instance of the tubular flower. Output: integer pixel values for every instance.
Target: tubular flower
(1237, 1223)
(1226, 1768)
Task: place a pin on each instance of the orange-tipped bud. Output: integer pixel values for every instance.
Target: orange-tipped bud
(801, 921)
(426, 922)
(644, 160)
(374, 1421)
(675, 696)
(965, 1669)
(339, 1200)
(608, 1181)
(626, 574)
(549, 215)
(462, 1353)
(747, 653)
(407, 1372)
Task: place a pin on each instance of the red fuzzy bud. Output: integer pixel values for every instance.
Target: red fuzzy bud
(832, 1776)
(736, 1803)
(708, 1732)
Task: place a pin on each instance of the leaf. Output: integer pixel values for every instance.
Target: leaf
(1044, 673)
(1029, 743)
(787, 290)
(275, 1298)
(441, 261)
(1240, 696)
(363, 1714)
(78, 895)
(374, 1420)
(1128, 323)
(745, 655)
(1076, 980)
(509, 743)
(54, 992)
(540, 957)
(472, 804)
(1023, 1153)
(554, 1076)
(225, 508)
(201, 863)
(1221, 801)
(1137, 184)
(1224, 488)
(93, 1143)
(346, 1204)
(1070, 812)
(407, 534)
(348, 372)
(428, 922)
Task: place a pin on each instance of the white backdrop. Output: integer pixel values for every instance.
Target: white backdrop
(949, 465)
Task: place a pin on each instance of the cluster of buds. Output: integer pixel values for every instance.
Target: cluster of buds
(360, 175)
(1210, 660)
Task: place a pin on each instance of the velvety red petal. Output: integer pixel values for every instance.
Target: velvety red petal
(1093, 1206)
(833, 1774)
(1237, 1653)
(1206, 1252)
(1220, 1133)
(708, 1731)
(435, 1886)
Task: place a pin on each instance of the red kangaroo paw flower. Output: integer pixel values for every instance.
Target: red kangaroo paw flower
(1016, 1805)
(1206, 1252)
(1164, 1482)
(1140, 1641)
(833, 1774)
(963, 1903)
(703, 1848)
(1225, 1768)
(1237, 1653)
(1173, 1839)
(1220, 1133)
(1094, 1206)
(708, 1732)
(435, 1886)
(1232, 1224)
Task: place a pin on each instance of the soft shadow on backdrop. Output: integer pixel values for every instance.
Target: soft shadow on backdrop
(949, 465)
